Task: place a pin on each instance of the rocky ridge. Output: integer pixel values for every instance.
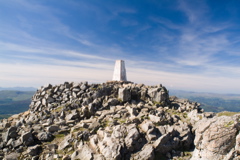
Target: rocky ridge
(116, 120)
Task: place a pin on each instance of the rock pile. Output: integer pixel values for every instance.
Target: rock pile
(114, 120)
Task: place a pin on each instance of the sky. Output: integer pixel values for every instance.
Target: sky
(182, 44)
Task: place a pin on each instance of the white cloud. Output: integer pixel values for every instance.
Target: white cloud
(38, 75)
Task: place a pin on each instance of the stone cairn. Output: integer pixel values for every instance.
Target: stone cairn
(116, 121)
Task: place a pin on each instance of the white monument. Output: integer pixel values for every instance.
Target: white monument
(119, 73)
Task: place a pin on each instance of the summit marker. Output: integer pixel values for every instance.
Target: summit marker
(119, 73)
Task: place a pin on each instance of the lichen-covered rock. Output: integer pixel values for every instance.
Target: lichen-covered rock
(147, 153)
(216, 137)
(44, 136)
(124, 94)
(115, 120)
(34, 150)
(27, 139)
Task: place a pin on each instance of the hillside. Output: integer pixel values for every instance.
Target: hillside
(116, 120)
(14, 102)
(211, 102)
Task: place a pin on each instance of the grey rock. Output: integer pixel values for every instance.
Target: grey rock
(83, 153)
(147, 153)
(83, 87)
(113, 102)
(44, 136)
(12, 156)
(215, 138)
(27, 139)
(110, 148)
(146, 125)
(124, 94)
(53, 128)
(34, 150)
(44, 102)
(65, 143)
(162, 145)
(11, 133)
(50, 100)
(72, 116)
(157, 94)
(46, 87)
(132, 137)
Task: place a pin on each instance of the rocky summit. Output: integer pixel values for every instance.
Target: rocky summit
(116, 121)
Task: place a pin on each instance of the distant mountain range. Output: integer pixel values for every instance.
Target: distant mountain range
(184, 94)
(18, 89)
(17, 99)
(211, 102)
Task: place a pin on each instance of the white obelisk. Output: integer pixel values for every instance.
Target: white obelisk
(119, 73)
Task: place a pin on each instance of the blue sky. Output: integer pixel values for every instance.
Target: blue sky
(182, 44)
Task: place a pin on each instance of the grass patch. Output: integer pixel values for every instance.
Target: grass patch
(58, 109)
(59, 135)
(79, 129)
(229, 124)
(200, 117)
(226, 113)
(104, 124)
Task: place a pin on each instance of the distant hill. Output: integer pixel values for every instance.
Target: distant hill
(211, 102)
(13, 102)
(19, 89)
(18, 100)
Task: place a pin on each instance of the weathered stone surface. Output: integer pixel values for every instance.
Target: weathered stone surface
(27, 139)
(146, 125)
(34, 150)
(132, 137)
(116, 120)
(44, 136)
(65, 143)
(158, 94)
(53, 128)
(84, 152)
(146, 153)
(11, 133)
(12, 156)
(124, 94)
(215, 137)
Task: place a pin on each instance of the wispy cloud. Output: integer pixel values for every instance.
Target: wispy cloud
(54, 44)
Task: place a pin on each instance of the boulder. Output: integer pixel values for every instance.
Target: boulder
(113, 102)
(147, 153)
(44, 136)
(124, 94)
(132, 137)
(157, 94)
(72, 116)
(146, 125)
(27, 139)
(34, 150)
(65, 143)
(11, 133)
(53, 128)
(216, 137)
(84, 153)
(12, 156)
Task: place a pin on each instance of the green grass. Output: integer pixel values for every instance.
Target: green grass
(59, 135)
(15, 95)
(2, 116)
(226, 113)
(58, 109)
(14, 102)
(229, 124)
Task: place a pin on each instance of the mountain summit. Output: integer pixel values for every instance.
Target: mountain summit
(116, 120)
